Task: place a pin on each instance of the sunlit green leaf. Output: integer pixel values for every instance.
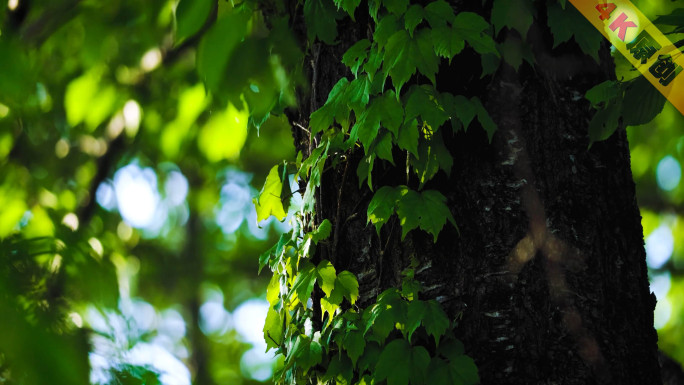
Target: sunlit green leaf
(269, 202)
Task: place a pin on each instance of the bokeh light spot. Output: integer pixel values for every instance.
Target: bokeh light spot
(659, 247)
(668, 173)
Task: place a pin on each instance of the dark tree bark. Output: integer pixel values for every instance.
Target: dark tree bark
(547, 272)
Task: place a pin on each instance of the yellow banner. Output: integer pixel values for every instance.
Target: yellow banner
(641, 43)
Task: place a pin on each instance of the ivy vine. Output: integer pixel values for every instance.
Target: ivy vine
(399, 339)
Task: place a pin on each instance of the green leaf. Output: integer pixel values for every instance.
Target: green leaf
(304, 282)
(397, 7)
(435, 320)
(306, 353)
(602, 93)
(387, 26)
(326, 276)
(354, 343)
(320, 16)
(414, 316)
(447, 44)
(191, 16)
(273, 290)
(490, 63)
(334, 107)
(322, 232)
(394, 363)
(339, 371)
(269, 202)
(459, 107)
(464, 371)
(218, 46)
(385, 109)
(332, 302)
(356, 96)
(403, 55)
(512, 52)
(366, 128)
(438, 13)
(348, 6)
(355, 55)
(423, 101)
(514, 14)
(400, 363)
(381, 206)
(390, 110)
(370, 356)
(642, 102)
(383, 146)
(561, 23)
(413, 17)
(588, 38)
(438, 373)
(273, 329)
(408, 137)
(426, 210)
(471, 27)
(484, 118)
(604, 123)
(365, 169)
(351, 286)
(676, 18)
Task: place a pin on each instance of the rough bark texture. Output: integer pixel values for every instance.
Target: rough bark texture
(548, 273)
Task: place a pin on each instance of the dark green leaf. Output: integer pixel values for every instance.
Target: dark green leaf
(408, 137)
(349, 6)
(413, 17)
(397, 7)
(484, 118)
(602, 93)
(438, 13)
(471, 27)
(320, 17)
(191, 16)
(605, 122)
(355, 55)
(642, 102)
(354, 344)
(394, 363)
(381, 207)
(514, 14)
(217, 47)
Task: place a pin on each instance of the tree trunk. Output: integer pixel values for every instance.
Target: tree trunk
(547, 270)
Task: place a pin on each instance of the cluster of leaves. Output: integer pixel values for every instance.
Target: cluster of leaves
(400, 338)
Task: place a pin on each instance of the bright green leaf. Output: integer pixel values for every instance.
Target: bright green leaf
(269, 202)
(326, 276)
(351, 286)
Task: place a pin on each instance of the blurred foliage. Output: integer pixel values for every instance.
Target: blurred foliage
(123, 178)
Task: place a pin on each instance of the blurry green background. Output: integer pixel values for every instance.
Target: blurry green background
(127, 228)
